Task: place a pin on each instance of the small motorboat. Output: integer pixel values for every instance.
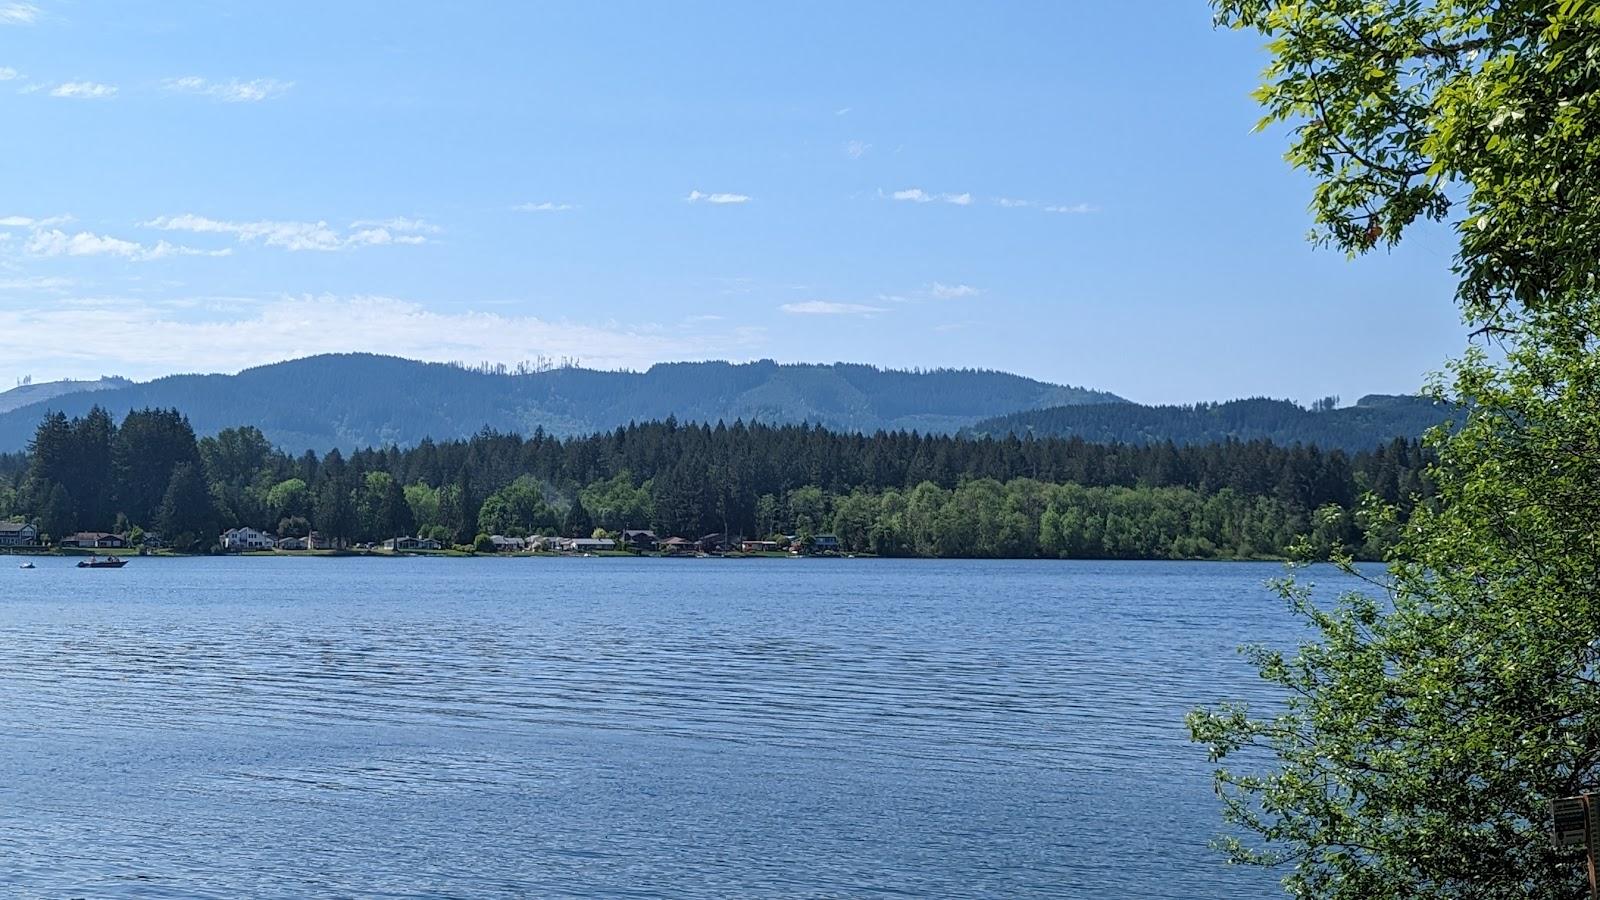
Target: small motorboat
(27, 565)
(94, 562)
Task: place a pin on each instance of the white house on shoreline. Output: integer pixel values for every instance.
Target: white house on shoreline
(18, 534)
(247, 539)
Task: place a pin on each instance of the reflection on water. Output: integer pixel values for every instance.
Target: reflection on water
(295, 727)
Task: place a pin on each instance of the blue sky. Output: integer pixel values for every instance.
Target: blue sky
(1047, 188)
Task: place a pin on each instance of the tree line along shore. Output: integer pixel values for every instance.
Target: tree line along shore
(149, 481)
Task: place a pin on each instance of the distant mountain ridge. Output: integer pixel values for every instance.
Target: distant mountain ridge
(29, 394)
(358, 400)
(1373, 420)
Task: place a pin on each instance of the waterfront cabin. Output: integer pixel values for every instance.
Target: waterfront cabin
(677, 545)
(401, 544)
(18, 534)
(239, 539)
(314, 541)
(637, 539)
(99, 540)
(826, 543)
(588, 545)
(503, 544)
(717, 543)
(760, 546)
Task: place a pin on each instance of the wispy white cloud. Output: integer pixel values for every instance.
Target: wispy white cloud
(287, 235)
(9, 74)
(400, 230)
(378, 237)
(296, 236)
(1077, 208)
(84, 90)
(856, 149)
(30, 222)
(51, 283)
(18, 13)
(146, 338)
(545, 206)
(400, 224)
(55, 242)
(717, 198)
(953, 291)
(842, 111)
(830, 308)
(232, 90)
(918, 195)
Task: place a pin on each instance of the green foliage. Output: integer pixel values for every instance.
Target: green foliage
(1374, 420)
(482, 544)
(1424, 730)
(148, 449)
(424, 503)
(187, 517)
(617, 503)
(577, 522)
(517, 510)
(381, 509)
(890, 493)
(334, 511)
(289, 498)
(56, 517)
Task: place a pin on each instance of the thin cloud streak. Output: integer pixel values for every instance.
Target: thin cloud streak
(953, 291)
(717, 198)
(84, 90)
(18, 14)
(918, 195)
(30, 222)
(1074, 208)
(232, 90)
(146, 339)
(300, 236)
(830, 308)
(54, 242)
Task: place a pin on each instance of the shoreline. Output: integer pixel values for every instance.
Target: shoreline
(614, 554)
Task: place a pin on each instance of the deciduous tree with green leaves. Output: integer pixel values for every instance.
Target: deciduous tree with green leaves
(1426, 726)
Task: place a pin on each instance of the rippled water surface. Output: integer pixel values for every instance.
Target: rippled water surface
(511, 727)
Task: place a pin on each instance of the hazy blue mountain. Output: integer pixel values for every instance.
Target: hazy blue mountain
(352, 400)
(29, 394)
(1375, 419)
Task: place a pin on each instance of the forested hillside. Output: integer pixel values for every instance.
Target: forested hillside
(1375, 419)
(893, 493)
(29, 394)
(358, 400)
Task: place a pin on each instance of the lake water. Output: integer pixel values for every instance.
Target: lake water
(507, 727)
